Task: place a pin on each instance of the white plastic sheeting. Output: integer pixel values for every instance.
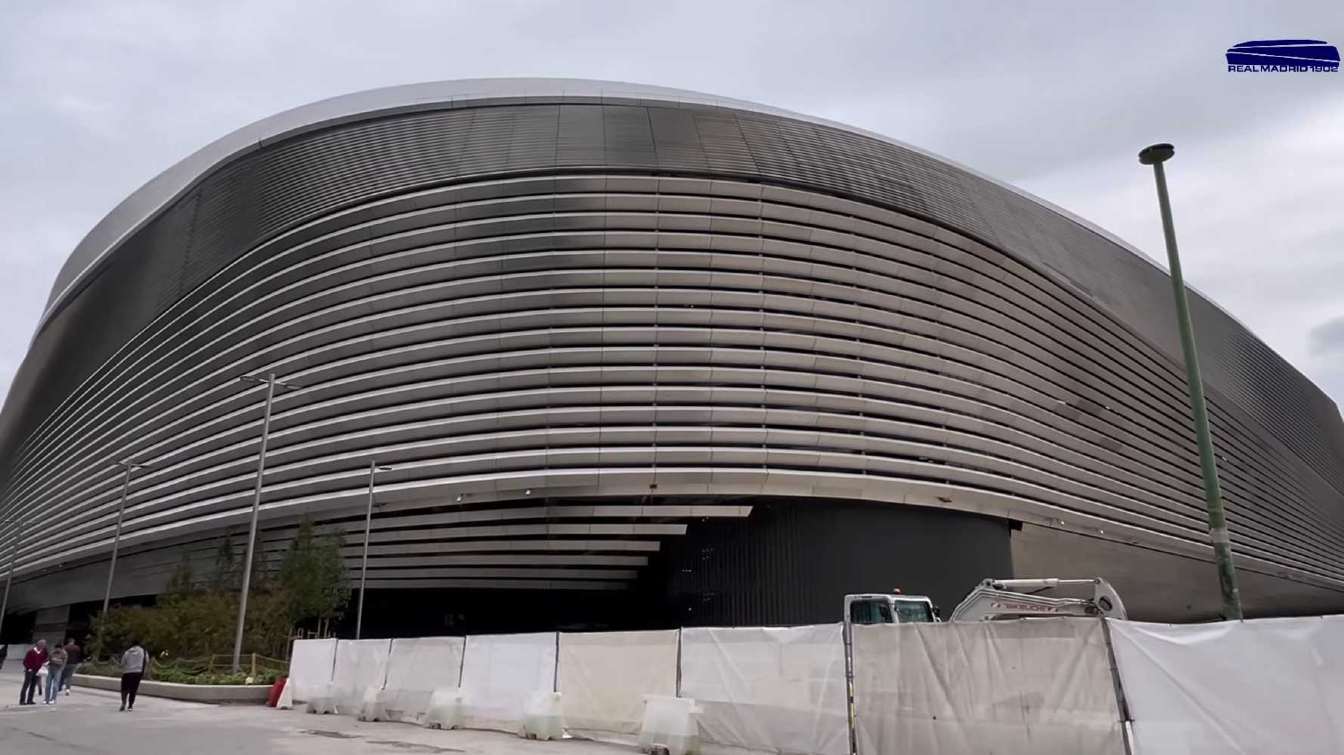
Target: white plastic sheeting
(415, 669)
(603, 677)
(500, 674)
(361, 665)
(1033, 686)
(1261, 686)
(310, 667)
(768, 690)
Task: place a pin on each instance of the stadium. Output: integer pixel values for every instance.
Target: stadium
(639, 357)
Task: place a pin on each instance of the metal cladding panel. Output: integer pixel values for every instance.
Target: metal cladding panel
(308, 175)
(1239, 367)
(579, 298)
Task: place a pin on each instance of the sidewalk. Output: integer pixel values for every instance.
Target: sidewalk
(87, 721)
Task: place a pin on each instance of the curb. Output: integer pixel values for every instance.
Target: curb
(248, 694)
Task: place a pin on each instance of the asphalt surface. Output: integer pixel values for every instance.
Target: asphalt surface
(87, 722)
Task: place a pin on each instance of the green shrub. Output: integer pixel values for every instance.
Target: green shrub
(195, 624)
(198, 618)
(99, 668)
(178, 676)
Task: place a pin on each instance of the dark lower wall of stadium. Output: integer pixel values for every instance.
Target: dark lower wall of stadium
(792, 562)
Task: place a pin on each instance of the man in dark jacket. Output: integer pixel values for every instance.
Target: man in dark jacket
(32, 663)
(73, 656)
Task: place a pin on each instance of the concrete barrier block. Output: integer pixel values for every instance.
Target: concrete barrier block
(447, 709)
(671, 725)
(542, 717)
(372, 707)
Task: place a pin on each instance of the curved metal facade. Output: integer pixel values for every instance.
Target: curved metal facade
(575, 323)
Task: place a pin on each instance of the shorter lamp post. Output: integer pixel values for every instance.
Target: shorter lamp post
(127, 466)
(13, 557)
(364, 566)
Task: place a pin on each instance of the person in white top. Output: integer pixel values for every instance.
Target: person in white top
(132, 670)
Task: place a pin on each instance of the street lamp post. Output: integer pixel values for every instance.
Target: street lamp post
(1213, 496)
(128, 467)
(270, 382)
(364, 566)
(13, 557)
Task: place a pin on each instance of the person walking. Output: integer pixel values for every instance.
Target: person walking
(74, 655)
(133, 663)
(55, 670)
(4, 653)
(33, 661)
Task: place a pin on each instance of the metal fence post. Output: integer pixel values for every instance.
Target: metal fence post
(1121, 705)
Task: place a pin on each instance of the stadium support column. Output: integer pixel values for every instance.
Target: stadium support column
(1213, 496)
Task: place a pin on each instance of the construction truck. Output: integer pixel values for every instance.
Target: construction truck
(990, 600)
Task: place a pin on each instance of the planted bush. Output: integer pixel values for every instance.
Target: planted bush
(197, 619)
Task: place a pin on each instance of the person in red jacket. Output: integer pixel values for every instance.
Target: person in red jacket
(32, 663)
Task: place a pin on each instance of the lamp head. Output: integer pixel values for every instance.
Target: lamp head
(1157, 153)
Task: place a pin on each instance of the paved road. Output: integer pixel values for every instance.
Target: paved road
(87, 723)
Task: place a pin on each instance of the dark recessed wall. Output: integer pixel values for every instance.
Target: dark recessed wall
(792, 562)
(789, 563)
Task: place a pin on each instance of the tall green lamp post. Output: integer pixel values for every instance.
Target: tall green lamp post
(1213, 495)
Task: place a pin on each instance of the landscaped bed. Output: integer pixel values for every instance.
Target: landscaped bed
(210, 670)
(252, 694)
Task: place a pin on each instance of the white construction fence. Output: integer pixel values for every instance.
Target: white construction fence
(1064, 685)
(604, 676)
(768, 690)
(1042, 686)
(1260, 686)
(502, 673)
(415, 669)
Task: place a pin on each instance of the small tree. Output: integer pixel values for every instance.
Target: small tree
(312, 577)
(183, 581)
(226, 565)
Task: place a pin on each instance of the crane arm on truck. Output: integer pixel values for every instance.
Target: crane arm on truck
(1020, 598)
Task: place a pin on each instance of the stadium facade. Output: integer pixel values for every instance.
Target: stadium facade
(642, 356)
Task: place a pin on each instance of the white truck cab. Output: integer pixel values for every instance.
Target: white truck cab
(889, 608)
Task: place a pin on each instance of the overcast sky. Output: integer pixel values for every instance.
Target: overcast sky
(96, 98)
